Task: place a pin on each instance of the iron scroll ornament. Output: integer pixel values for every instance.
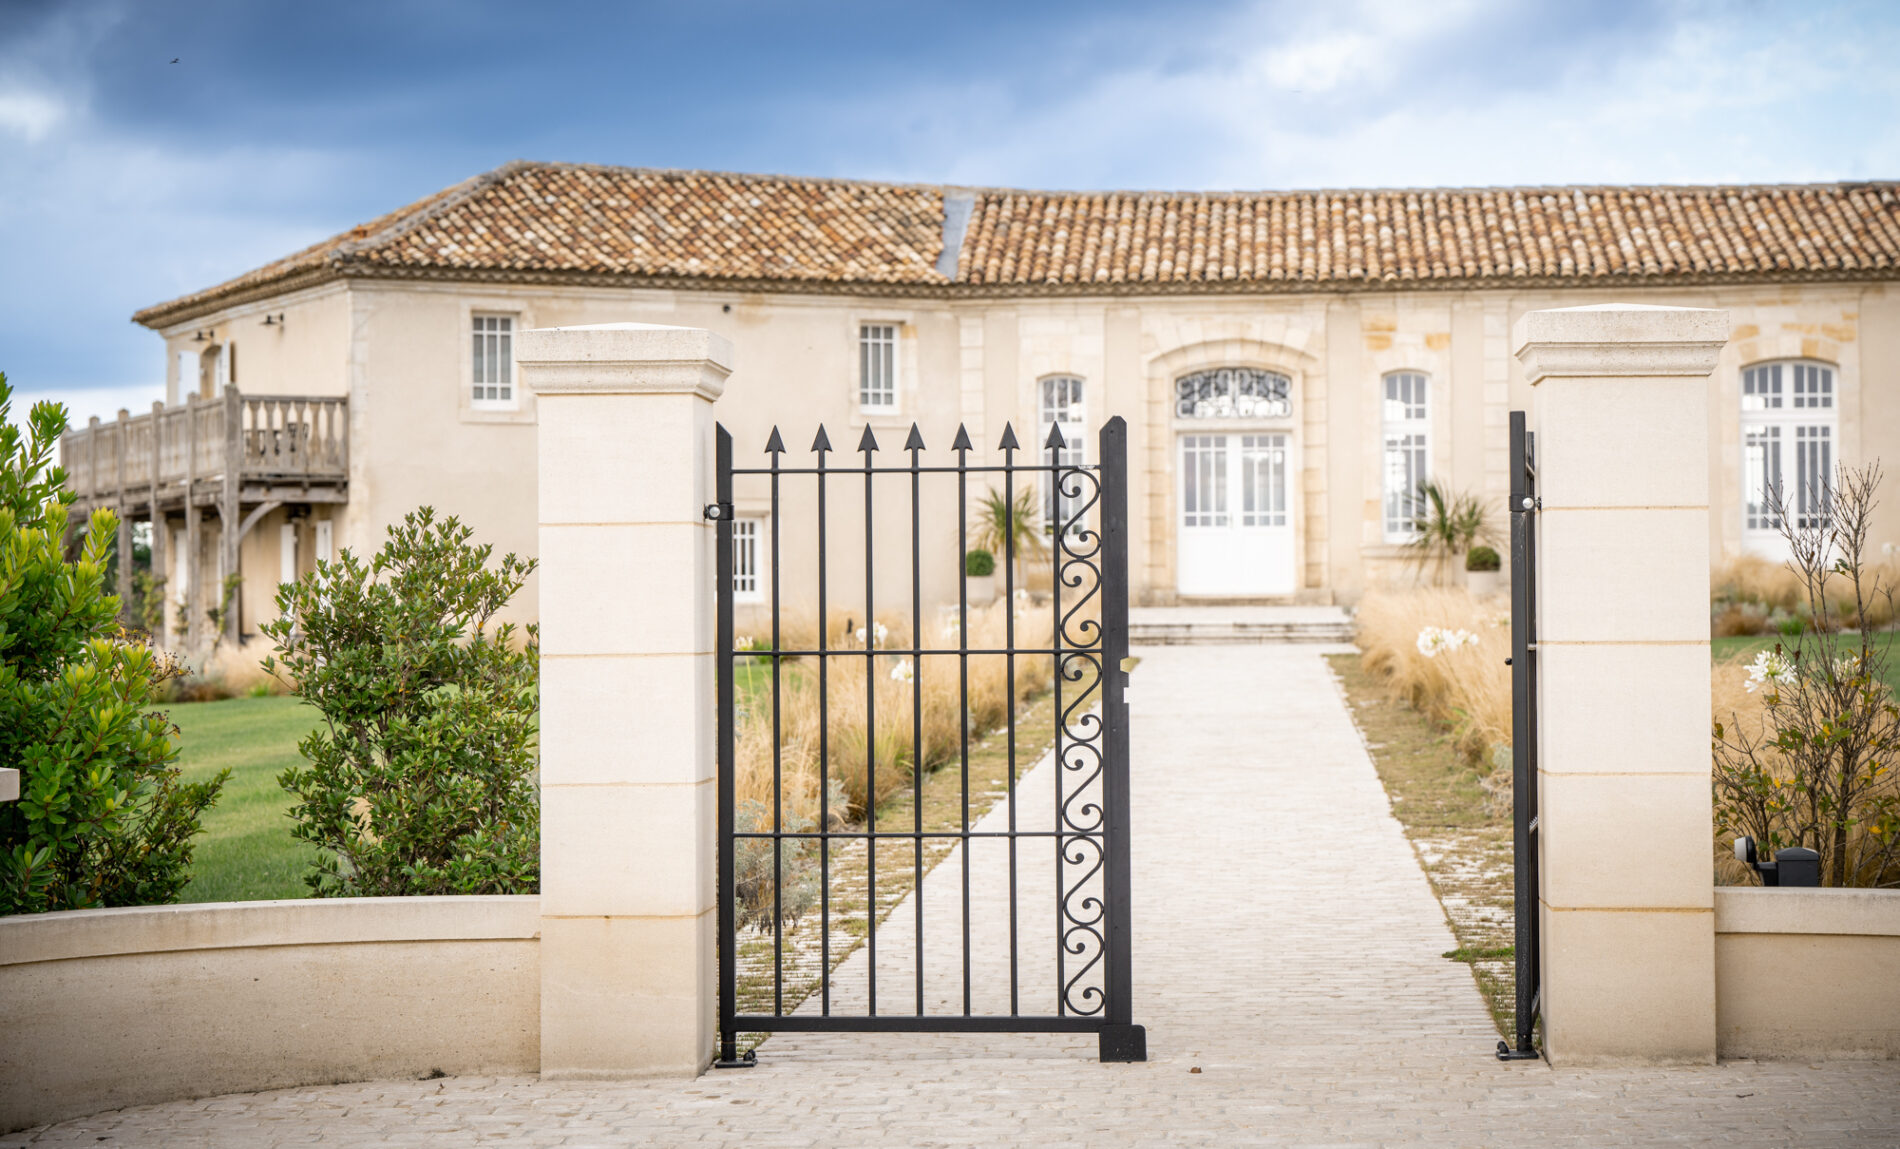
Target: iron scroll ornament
(1081, 822)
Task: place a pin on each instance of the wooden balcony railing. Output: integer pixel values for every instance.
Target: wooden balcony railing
(272, 441)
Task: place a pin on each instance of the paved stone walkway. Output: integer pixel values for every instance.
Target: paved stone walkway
(1287, 947)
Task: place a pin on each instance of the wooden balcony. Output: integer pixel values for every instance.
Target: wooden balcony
(258, 448)
(240, 457)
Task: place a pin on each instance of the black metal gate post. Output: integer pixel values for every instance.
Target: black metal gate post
(1524, 837)
(1087, 650)
(721, 513)
(1121, 1039)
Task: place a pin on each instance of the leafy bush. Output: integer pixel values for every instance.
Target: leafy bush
(422, 779)
(1482, 558)
(1815, 767)
(979, 564)
(103, 818)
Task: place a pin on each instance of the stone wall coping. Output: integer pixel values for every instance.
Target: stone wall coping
(1619, 339)
(68, 934)
(623, 359)
(1757, 910)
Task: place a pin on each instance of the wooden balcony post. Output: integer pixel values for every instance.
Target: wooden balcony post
(123, 542)
(229, 532)
(193, 628)
(161, 531)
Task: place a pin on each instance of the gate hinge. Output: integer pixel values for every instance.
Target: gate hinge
(719, 512)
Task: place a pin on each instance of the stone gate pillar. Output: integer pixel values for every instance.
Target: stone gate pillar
(1620, 410)
(627, 707)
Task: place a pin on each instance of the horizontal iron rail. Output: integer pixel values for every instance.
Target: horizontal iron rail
(847, 472)
(860, 652)
(959, 835)
(912, 1023)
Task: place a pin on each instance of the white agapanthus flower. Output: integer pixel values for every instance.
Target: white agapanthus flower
(902, 671)
(878, 632)
(743, 642)
(1770, 668)
(1435, 640)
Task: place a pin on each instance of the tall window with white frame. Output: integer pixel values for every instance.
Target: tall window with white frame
(748, 583)
(1788, 423)
(1407, 456)
(1064, 407)
(494, 359)
(877, 366)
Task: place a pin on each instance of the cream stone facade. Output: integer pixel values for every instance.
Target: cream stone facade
(795, 273)
(401, 352)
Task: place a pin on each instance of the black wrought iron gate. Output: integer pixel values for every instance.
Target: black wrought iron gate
(832, 718)
(1524, 839)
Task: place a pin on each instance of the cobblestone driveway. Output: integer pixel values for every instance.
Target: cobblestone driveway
(1287, 947)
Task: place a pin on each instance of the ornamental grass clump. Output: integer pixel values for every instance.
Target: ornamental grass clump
(1815, 765)
(422, 778)
(103, 818)
(1443, 652)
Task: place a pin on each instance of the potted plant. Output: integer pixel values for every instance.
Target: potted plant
(1481, 571)
(979, 569)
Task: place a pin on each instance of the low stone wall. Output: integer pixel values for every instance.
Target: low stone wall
(102, 1009)
(1807, 973)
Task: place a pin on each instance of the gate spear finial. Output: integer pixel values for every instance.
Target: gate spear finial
(1009, 442)
(1056, 441)
(775, 445)
(963, 440)
(867, 442)
(823, 442)
(916, 440)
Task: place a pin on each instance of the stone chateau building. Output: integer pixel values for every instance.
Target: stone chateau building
(1291, 364)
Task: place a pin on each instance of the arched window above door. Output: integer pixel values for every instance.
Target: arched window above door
(1233, 393)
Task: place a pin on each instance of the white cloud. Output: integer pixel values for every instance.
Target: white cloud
(30, 115)
(1414, 94)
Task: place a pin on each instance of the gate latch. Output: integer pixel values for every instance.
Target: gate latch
(719, 512)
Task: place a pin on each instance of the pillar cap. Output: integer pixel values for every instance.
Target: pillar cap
(1619, 339)
(624, 359)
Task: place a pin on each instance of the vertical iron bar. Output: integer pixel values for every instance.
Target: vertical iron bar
(917, 710)
(1009, 661)
(870, 747)
(963, 689)
(1122, 1040)
(824, 755)
(723, 661)
(1055, 645)
(1523, 736)
(778, 789)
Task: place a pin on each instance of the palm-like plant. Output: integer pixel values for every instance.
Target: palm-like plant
(1445, 523)
(1003, 528)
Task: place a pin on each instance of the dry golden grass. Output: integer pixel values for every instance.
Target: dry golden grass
(1468, 688)
(910, 725)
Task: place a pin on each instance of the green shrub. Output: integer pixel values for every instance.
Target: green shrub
(103, 818)
(979, 564)
(421, 779)
(1482, 558)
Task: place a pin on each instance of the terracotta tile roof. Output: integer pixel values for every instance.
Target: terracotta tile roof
(1580, 234)
(559, 222)
(529, 220)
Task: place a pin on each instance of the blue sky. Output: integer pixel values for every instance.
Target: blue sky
(126, 179)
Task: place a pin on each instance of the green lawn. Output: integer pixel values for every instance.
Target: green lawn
(1745, 646)
(246, 852)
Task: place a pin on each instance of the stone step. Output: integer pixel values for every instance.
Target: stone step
(1214, 626)
(1214, 634)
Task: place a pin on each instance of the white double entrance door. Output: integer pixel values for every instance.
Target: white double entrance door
(1235, 531)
